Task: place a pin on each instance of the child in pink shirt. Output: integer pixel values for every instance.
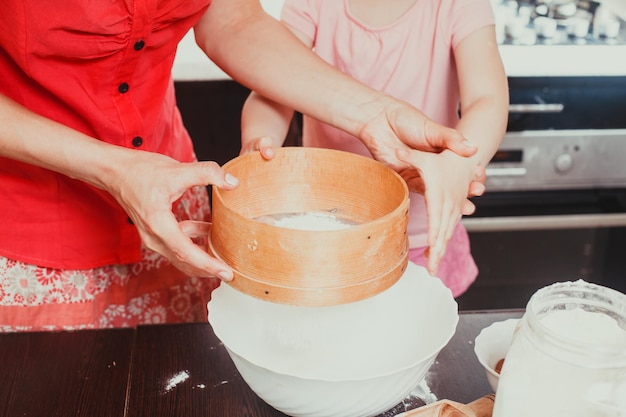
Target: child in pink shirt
(439, 55)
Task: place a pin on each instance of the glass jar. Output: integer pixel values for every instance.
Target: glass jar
(568, 356)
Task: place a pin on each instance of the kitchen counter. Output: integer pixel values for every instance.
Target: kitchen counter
(519, 60)
(182, 370)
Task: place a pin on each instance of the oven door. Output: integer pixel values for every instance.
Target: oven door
(562, 133)
(522, 241)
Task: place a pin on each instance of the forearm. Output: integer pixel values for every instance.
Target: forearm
(36, 140)
(483, 122)
(145, 184)
(261, 117)
(272, 61)
(484, 93)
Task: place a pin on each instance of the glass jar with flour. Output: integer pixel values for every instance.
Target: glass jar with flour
(568, 357)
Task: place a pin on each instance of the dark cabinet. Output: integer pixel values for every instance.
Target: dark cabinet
(211, 111)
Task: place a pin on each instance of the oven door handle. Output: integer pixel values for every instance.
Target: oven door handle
(536, 108)
(567, 221)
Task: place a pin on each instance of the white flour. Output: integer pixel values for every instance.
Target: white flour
(583, 326)
(175, 380)
(306, 221)
(540, 381)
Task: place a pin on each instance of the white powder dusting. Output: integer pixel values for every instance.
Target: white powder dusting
(548, 382)
(423, 391)
(580, 325)
(307, 221)
(176, 379)
(420, 396)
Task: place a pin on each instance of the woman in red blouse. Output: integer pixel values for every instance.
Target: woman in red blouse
(103, 208)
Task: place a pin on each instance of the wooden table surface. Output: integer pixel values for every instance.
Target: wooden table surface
(181, 370)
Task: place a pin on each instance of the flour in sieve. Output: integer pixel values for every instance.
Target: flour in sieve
(307, 221)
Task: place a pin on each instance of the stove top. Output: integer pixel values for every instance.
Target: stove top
(557, 22)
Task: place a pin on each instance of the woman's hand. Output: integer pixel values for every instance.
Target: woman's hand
(397, 126)
(145, 184)
(146, 190)
(446, 180)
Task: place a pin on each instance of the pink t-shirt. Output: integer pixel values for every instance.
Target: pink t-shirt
(411, 59)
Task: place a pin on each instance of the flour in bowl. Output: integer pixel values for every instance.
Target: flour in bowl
(307, 221)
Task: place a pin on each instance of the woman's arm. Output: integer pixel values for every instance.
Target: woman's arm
(261, 53)
(64, 150)
(144, 183)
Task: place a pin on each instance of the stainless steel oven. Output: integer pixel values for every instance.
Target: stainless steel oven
(555, 208)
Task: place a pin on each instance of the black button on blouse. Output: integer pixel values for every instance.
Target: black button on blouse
(139, 45)
(137, 141)
(123, 87)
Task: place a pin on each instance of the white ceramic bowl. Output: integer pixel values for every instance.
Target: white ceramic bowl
(492, 344)
(350, 360)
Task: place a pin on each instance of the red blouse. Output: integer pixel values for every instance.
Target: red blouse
(103, 68)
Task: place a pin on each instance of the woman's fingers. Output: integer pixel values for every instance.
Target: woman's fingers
(147, 194)
(194, 229)
(442, 137)
(191, 258)
(205, 173)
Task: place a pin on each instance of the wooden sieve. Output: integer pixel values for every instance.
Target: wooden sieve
(312, 267)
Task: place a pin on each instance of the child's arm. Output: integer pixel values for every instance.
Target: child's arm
(265, 123)
(447, 178)
(484, 93)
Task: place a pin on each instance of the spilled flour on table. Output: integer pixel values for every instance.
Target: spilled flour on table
(423, 392)
(420, 396)
(176, 380)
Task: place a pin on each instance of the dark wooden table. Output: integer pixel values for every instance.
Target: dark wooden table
(179, 370)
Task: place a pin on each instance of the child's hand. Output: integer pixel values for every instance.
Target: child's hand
(446, 180)
(264, 144)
